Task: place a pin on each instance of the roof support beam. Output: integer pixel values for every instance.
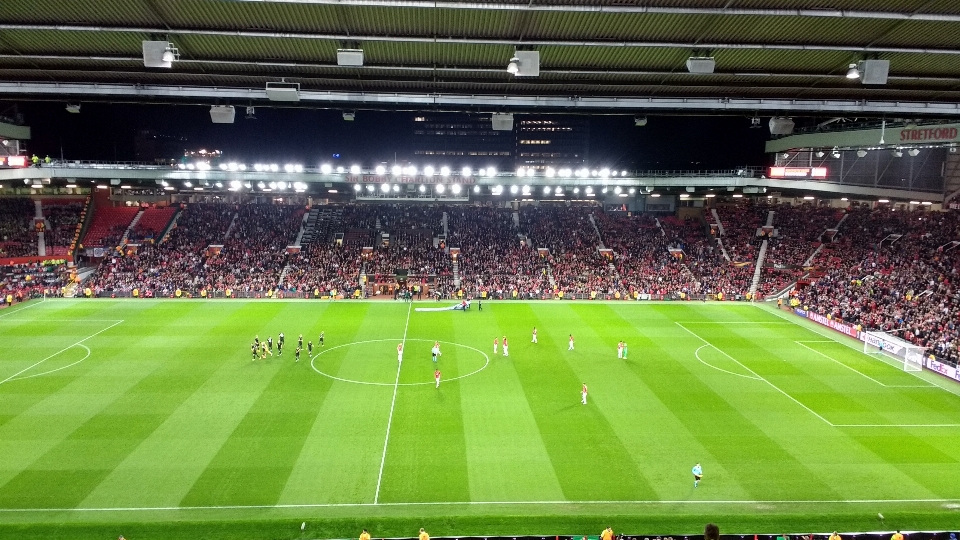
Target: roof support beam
(576, 8)
(478, 40)
(490, 102)
(435, 69)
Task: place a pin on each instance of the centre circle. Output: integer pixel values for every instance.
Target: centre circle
(383, 357)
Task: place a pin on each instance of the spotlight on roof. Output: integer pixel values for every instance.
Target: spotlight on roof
(896, 152)
(701, 64)
(466, 172)
(550, 172)
(354, 169)
(349, 116)
(251, 114)
(326, 168)
(283, 91)
(73, 108)
(853, 72)
(159, 54)
(396, 170)
(835, 153)
(428, 171)
(524, 64)
(440, 188)
(444, 171)
(913, 152)
(513, 189)
(861, 153)
(455, 189)
(381, 170)
(820, 153)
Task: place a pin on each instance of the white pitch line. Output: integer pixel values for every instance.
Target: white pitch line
(396, 385)
(855, 370)
(473, 503)
(697, 354)
(59, 368)
(775, 387)
(897, 425)
(35, 304)
(58, 352)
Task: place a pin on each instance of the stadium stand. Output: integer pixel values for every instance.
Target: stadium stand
(63, 217)
(152, 223)
(17, 236)
(108, 226)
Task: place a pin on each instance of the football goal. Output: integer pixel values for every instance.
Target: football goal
(899, 350)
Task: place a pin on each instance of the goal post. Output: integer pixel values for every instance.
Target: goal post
(890, 346)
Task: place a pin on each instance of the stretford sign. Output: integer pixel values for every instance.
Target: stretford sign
(798, 172)
(375, 179)
(927, 134)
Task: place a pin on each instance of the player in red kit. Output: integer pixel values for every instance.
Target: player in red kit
(496, 343)
(400, 352)
(436, 375)
(570, 347)
(583, 394)
(506, 352)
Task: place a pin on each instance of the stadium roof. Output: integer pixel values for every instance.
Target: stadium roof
(771, 55)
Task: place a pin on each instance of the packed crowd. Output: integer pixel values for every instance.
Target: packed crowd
(905, 285)
(62, 220)
(18, 237)
(21, 282)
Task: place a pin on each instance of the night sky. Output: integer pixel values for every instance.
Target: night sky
(308, 136)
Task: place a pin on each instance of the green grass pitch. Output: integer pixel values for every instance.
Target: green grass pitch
(148, 418)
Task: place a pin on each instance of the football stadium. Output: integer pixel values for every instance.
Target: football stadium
(535, 269)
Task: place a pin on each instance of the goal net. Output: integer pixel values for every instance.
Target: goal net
(890, 346)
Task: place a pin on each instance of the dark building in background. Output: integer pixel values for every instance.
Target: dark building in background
(460, 140)
(539, 141)
(154, 147)
(552, 141)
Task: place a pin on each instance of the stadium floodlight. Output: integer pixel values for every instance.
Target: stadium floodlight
(589, 190)
(521, 172)
(385, 188)
(440, 188)
(356, 187)
(853, 72)
(684, 195)
(326, 168)
(576, 191)
(525, 190)
(617, 190)
(551, 172)
(654, 195)
(242, 167)
(274, 167)
(711, 195)
(926, 203)
(428, 171)
(354, 169)
(188, 184)
(340, 169)
(482, 172)
(396, 188)
(524, 64)
(476, 189)
(604, 173)
(257, 167)
(584, 172)
(594, 172)
(835, 153)
(410, 170)
(808, 198)
(613, 173)
(380, 170)
(604, 190)
(566, 173)
(884, 201)
(844, 199)
(288, 168)
(491, 171)
(465, 172)
(513, 67)
(913, 152)
(298, 168)
(559, 190)
(623, 173)
(897, 153)
(422, 188)
(514, 189)
(223, 166)
(444, 171)
(248, 185)
(370, 188)
(914, 202)
(861, 153)
(455, 189)
(233, 166)
(546, 190)
(633, 190)
(497, 190)
(273, 185)
(820, 153)
(396, 170)
(261, 185)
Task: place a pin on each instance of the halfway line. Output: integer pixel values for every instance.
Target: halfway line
(396, 385)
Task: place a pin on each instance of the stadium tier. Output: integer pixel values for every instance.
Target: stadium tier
(109, 224)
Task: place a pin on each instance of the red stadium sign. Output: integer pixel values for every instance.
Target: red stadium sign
(13, 161)
(798, 172)
(929, 134)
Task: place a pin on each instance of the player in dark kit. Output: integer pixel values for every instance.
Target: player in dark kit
(270, 344)
(320, 341)
(256, 341)
(280, 344)
(310, 348)
(300, 341)
(253, 349)
(297, 354)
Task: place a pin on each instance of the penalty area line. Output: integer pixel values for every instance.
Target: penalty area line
(14, 376)
(476, 503)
